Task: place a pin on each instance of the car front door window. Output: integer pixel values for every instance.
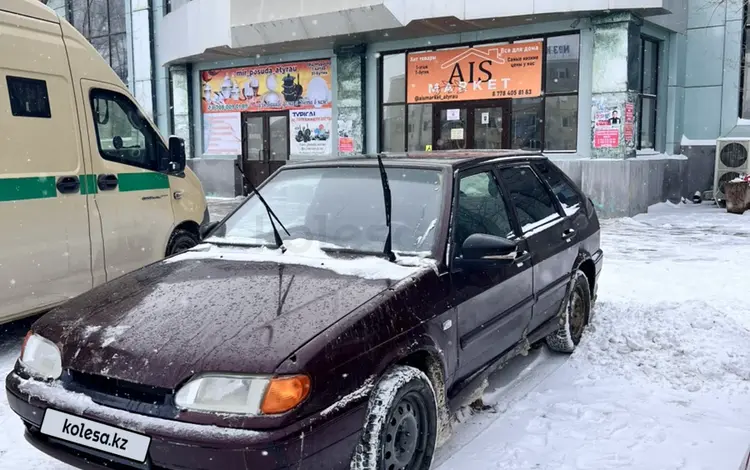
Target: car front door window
(123, 134)
(480, 209)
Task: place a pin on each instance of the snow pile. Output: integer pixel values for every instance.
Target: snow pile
(665, 344)
(310, 253)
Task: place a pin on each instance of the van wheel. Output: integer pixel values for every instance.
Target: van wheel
(574, 318)
(400, 430)
(181, 240)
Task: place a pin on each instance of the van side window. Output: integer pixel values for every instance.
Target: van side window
(123, 133)
(28, 97)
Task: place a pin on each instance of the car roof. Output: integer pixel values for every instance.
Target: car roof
(443, 159)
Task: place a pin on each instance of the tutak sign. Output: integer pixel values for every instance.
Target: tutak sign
(475, 73)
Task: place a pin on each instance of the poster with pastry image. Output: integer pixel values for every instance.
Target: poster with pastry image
(275, 87)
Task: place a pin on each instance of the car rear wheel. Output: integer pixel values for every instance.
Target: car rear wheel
(574, 318)
(401, 426)
(181, 240)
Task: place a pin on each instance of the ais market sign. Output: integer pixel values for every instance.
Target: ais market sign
(476, 73)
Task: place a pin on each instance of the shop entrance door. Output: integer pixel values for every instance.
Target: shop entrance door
(265, 145)
(471, 125)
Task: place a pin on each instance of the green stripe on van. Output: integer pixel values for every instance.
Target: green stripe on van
(22, 189)
(88, 184)
(142, 181)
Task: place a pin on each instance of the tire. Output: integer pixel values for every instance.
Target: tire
(180, 241)
(400, 430)
(574, 317)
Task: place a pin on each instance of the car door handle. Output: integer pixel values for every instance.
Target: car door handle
(68, 184)
(107, 182)
(569, 233)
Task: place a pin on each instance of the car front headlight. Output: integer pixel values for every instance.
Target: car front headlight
(243, 394)
(41, 357)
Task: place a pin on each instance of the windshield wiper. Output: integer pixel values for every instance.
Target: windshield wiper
(387, 248)
(269, 211)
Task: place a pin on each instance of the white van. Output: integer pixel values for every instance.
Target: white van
(89, 190)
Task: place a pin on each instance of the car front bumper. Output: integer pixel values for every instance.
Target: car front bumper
(326, 445)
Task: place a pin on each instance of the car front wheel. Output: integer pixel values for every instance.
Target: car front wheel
(181, 240)
(401, 426)
(574, 318)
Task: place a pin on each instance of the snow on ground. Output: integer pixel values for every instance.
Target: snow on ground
(218, 207)
(660, 382)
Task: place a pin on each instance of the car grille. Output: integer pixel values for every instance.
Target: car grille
(121, 394)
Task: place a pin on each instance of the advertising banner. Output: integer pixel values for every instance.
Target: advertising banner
(310, 132)
(288, 86)
(476, 73)
(222, 134)
(607, 128)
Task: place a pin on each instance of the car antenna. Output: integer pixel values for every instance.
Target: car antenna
(271, 214)
(387, 248)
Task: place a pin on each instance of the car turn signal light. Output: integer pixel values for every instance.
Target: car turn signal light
(285, 393)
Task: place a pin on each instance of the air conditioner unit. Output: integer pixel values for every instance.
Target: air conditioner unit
(731, 162)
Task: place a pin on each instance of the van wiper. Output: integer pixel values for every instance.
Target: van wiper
(269, 211)
(387, 248)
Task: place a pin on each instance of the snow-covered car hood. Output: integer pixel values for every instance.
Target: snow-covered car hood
(196, 313)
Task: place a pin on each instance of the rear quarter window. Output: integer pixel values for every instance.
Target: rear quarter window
(568, 195)
(28, 97)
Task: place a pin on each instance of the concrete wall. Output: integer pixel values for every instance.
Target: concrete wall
(198, 25)
(624, 188)
(219, 177)
(712, 76)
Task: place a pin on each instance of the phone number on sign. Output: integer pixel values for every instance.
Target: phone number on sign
(502, 93)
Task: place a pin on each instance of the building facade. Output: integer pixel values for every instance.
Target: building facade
(627, 97)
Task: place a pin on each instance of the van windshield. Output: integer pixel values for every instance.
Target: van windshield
(342, 207)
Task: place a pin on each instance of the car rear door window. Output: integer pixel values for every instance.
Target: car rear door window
(480, 209)
(530, 198)
(566, 194)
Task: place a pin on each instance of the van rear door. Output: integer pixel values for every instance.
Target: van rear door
(45, 251)
(132, 196)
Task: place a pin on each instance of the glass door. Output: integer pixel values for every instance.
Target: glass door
(450, 126)
(482, 125)
(278, 141)
(265, 145)
(491, 127)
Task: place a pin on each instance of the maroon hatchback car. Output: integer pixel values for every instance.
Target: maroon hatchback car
(332, 321)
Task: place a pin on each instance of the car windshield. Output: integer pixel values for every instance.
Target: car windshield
(343, 208)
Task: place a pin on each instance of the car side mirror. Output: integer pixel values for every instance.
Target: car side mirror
(483, 247)
(208, 228)
(177, 159)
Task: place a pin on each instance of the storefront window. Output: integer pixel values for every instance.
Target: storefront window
(527, 120)
(561, 122)
(561, 101)
(521, 94)
(393, 128)
(420, 126)
(393, 131)
(648, 95)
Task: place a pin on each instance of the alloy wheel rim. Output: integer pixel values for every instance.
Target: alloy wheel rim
(405, 440)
